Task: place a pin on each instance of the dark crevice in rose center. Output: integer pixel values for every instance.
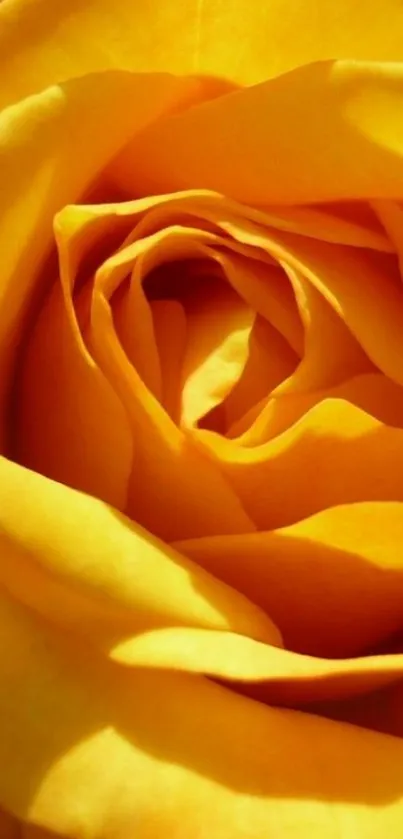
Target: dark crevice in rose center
(180, 280)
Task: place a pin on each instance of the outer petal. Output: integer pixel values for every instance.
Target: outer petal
(269, 673)
(333, 582)
(328, 131)
(42, 41)
(81, 563)
(95, 751)
(53, 147)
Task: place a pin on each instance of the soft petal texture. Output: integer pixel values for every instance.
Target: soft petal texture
(373, 392)
(217, 764)
(363, 288)
(335, 454)
(275, 675)
(165, 456)
(53, 146)
(333, 582)
(328, 131)
(43, 42)
(331, 353)
(270, 362)
(84, 565)
(68, 418)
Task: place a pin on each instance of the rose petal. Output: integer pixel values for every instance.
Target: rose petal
(53, 147)
(83, 564)
(364, 291)
(275, 675)
(68, 420)
(47, 42)
(219, 329)
(170, 329)
(165, 456)
(88, 749)
(335, 454)
(134, 324)
(270, 362)
(331, 353)
(363, 288)
(390, 214)
(328, 131)
(373, 392)
(332, 582)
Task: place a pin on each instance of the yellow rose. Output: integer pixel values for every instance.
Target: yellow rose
(201, 417)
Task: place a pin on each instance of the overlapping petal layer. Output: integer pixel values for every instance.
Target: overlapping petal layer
(54, 146)
(332, 582)
(228, 376)
(329, 131)
(195, 747)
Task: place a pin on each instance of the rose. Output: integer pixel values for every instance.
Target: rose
(180, 671)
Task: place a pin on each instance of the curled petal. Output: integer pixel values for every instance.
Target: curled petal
(99, 744)
(332, 582)
(86, 566)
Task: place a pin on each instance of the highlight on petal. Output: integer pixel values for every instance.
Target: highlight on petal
(331, 353)
(256, 772)
(333, 583)
(10, 827)
(270, 362)
(372, 392)
(274, 675)
(335, 454)
(219, 329)
(87, 567)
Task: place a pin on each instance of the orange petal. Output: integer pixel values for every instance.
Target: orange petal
(134, 324)
(274, 675)
(50, 42)
(333, 582)
(335, 454)
(372, 392)
(328, 131)
(90, 569)
(54, 146)
(98, 745)
(270, 362)
(10, 828)
(165, 455)
(219, 329)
